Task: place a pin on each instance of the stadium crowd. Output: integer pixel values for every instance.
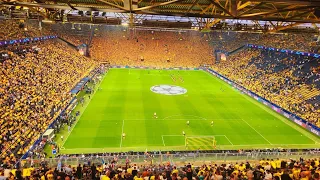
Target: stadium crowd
(229, 41)
(265, 169)
(14, 29)
(34, 88)
(289, 81)
(75, 34)
(152, 48)
(35, 85)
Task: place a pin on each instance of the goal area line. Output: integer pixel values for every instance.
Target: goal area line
(196, 137)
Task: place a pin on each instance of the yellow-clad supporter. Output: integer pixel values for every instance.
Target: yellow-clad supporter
(296, 170)
(277, 78)
(173, 49)
(18, 29)
(35, 87)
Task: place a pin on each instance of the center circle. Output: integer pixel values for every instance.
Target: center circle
(168, 89)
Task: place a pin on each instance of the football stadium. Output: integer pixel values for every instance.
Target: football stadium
(160, 90)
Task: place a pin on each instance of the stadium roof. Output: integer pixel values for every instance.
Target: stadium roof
(303, 11)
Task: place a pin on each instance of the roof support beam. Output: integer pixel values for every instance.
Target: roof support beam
(206, 9)
(113, 5)
(315, 27)
(277, 11)
(300, 14)
(285, 27)
(65, 7)
(274, 26)
(220, 9)
(243, 5)
(234, 9)
(257, 23)
(252, 8)
(296, 2)
(193, 4)
(217, 4)
(209, 24)
(156, 5)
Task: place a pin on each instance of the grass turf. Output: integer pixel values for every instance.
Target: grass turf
(125, 104)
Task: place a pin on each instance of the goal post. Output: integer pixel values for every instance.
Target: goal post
(202, 142)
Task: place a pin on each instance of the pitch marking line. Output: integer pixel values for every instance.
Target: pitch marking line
(163, 141)
(168, 136)
(228, 140)
(175, 119)
(257, 131)
(121, 134)
(219, 135)
(205, 136)
(83, 111)
(280, 117)
(213, 136)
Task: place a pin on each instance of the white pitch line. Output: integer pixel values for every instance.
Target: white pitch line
(196, 135)
(172, 135)
(83, 111)
(163, 141)
(257, 132)
(121, 133)
(173, 119)
(280, 117)
(228, 140)
(204, 136)
(237, 145)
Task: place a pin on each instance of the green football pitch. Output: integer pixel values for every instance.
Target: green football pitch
(124, 103)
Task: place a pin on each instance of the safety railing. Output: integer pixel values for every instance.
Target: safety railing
(178, 158)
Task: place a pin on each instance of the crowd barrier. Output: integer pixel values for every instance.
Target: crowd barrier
(174, 159)
(79, 85)
(296, 119)
(288, 51)
(25, 40)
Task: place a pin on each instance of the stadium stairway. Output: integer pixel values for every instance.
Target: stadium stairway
(91, 36)
(314, 100)
(237, 50)
(63, 41)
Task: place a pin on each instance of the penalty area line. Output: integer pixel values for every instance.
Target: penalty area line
(163, 141)
(280, 117)
(257, 131)
(228, 140)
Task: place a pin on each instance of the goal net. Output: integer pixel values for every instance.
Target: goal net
(202, 142)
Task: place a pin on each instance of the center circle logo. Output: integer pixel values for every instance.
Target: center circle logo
(168, 89)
